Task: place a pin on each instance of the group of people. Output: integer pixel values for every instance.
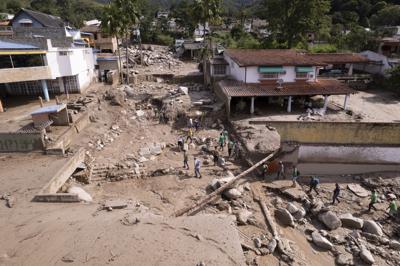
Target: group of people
(392, 204)
(314, 183)
(223, 140)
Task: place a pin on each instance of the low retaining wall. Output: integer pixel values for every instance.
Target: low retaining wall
(346, 133)
(21, 142)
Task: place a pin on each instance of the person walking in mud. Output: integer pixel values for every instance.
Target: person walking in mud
(392, 208)
(313, 185)
(336, 193)
(185, 160)
(230, 147)
(197, 165)
(281, 171)
(373, 200)
(190, 135)
(295, 176)
(221, 141)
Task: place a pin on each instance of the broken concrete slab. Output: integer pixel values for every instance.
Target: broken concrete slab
(115, 204)
(62, 175)
(56, 197)
(81, 193)
(358, 190)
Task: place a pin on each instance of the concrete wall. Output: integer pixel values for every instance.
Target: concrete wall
(347, 133)
(8, 75)
(349, 154)
(235, 71)
(21, 142)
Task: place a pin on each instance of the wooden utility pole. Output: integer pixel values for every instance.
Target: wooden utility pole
(201, 203)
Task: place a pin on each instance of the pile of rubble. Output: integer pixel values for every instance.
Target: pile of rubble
(150, 55)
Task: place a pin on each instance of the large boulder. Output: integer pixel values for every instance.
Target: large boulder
(300, 214)
(330, 220)
(232, 193)
(292, 208)
(321, 241)
(284, 217)
(272, 245)
(344, 259)
(243, 215)
(349, 221)
(316, 207)
(366, 256)
(372, 227)
(394, 244)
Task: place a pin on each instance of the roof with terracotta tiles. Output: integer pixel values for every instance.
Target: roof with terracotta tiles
(235, 88)
(339, 58)
(271, 57)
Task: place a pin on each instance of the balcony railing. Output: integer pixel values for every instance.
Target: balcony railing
(6, 30)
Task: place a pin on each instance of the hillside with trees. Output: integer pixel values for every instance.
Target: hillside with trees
(336, 24)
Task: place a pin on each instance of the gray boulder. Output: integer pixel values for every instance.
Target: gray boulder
(272, 245)
(232, 193)
(321, 241)
(243, 216)
(372, 227)
(316, 207)
(345, 259)
(366, 256)
(284, 217)
(292, 208)
(300, 214)
(394, 244)
(349, 221)
(330, 220)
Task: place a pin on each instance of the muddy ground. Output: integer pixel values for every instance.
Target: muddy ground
(154, 185)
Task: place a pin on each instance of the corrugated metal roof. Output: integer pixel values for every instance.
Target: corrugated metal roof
(7, 45)
(234, 88)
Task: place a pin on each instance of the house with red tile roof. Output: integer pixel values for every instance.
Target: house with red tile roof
(277, 75)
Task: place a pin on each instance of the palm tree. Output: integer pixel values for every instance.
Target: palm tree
(110, 24)
(128, 16)
(206, 11)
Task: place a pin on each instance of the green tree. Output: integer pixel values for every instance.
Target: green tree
(127, 14)
(183, 13)
(45, 6)
(290, 20)
(388, 16)
(111, 25)
(207, 11)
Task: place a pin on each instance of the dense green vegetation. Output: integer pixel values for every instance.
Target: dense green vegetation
(339, 24)
(72, 11)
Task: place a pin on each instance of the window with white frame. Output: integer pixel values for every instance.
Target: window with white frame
(270, 76)
(64, 53)
(219, 69)
(301, 75)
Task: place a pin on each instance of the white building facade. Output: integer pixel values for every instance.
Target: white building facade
(60, 70)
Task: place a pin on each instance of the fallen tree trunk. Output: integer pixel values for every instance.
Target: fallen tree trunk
(270, 223)
(268, 217)
(201, 203)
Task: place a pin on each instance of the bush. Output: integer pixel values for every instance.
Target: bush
(164, 39)
(323, 48)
